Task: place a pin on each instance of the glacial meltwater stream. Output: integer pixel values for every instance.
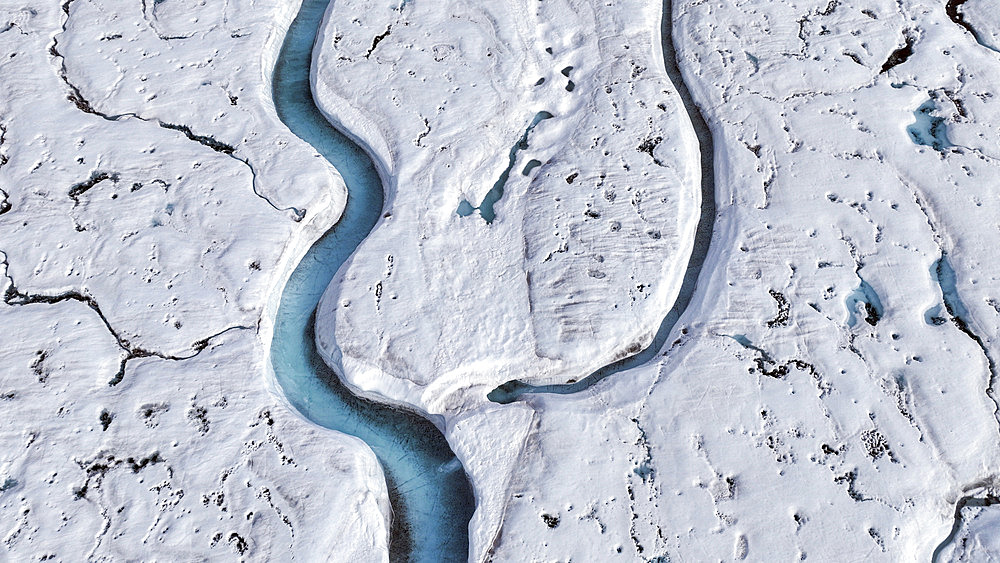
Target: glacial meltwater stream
(430, 494)
(511, 390)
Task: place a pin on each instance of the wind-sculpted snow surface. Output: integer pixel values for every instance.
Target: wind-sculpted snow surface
(831, 391)
(149, 194)
(542, 193)
(829, 394)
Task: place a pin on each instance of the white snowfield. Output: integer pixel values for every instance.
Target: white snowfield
(828, 395)
(139, 274)
(567, 107)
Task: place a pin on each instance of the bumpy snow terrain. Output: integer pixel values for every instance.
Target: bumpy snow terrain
(542, 187)
(149, 197)
(829, 392)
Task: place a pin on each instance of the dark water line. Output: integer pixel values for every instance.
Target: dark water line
(954, 11)
(510, 391)
(948, 282)
(989, 500)
(430, 494)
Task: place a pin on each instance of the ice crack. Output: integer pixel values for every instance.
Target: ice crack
(13, 296)
(84, 105)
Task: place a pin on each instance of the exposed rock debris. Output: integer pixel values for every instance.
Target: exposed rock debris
(781, 319)
(378, 39)
(901, 55)
(96, 177)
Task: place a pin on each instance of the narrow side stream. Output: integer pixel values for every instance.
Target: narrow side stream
(510, 391)
(954, 10)
(430, 494)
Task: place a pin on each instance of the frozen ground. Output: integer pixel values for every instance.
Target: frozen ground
(829, 392)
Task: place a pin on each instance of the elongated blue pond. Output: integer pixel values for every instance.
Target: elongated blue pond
(430, 494)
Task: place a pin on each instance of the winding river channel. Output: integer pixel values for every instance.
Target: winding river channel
(510, 391)
(430, 495)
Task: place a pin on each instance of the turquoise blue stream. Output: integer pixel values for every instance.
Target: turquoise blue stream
(430, 494)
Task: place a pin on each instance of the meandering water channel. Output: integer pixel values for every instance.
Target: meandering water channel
(510, 391)
(429, 491)
(430, 494)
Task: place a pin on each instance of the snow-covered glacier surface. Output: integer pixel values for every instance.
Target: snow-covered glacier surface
(542, 193)
(152, 207)
(786, 211)
(829, 391)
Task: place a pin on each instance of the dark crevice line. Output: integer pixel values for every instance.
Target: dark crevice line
(784, 309)
(217, 146)
(902, 54)
(152, 25)
(945, 276)
(951, 8)
(295, 213)
(80, 101)
(955, 15)
(780, 370)
(96, 177)
(511, 390)
(4, 203)
(378, 39)
(229, 150)
(12, 296)
(75, 95)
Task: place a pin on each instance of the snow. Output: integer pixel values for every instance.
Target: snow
(828, 392)
(814, 438)
(138, 266)
(819, 439)
(586, 251)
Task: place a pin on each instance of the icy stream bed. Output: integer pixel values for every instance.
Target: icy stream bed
(430, 495)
